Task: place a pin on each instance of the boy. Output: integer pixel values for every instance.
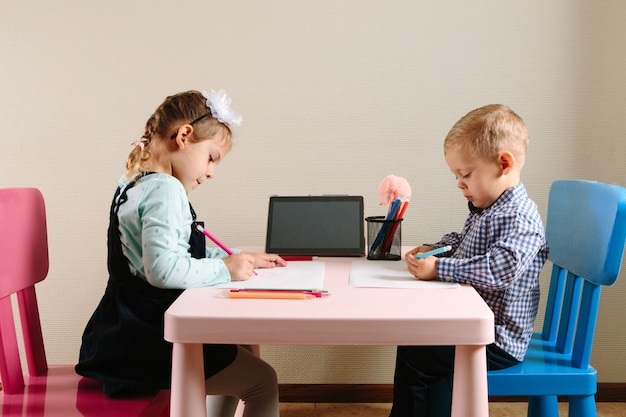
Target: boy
(500, 252)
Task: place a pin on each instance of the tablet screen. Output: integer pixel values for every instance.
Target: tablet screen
(316, 225)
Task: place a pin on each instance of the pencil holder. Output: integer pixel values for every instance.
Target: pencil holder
(384, 239)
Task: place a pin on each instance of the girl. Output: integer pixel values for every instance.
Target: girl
(155, 252)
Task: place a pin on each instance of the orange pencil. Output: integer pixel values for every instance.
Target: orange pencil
(270, 295)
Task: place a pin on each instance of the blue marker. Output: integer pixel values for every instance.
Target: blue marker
(433, 252)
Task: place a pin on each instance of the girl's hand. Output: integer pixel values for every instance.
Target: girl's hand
(267, 260)
(240, 266)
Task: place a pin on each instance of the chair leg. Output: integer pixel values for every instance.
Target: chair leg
(582, 406)
(545, 406)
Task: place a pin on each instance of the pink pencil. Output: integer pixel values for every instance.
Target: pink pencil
(214, 239)
(217, 242)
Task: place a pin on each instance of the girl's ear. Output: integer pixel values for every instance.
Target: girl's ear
(506, 162)
(183, 135)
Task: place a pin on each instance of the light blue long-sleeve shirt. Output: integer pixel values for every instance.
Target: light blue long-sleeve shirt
(155, 227)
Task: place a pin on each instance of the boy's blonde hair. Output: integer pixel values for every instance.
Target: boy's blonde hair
(183, 108)
(487, 131)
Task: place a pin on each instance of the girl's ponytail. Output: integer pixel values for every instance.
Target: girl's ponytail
(138, 160)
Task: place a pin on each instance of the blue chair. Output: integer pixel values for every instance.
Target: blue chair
(586, 232)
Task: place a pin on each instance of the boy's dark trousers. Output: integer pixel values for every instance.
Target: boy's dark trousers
(423, 379)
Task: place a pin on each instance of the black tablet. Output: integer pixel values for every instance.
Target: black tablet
(327, 225)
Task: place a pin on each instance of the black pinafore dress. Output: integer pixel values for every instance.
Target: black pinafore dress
(123, 344)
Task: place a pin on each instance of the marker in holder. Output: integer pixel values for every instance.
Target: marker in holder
(384, 238)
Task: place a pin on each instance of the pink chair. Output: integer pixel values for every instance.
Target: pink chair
(46, 390)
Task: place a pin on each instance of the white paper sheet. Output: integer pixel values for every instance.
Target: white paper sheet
(389, 274)
(296, 275)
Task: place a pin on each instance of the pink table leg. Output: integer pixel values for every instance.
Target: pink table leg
(188, 392)
(469, 395)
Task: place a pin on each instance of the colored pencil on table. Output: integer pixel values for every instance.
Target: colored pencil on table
(271, 295)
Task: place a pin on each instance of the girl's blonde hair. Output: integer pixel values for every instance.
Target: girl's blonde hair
(487, 131)
(183, 108)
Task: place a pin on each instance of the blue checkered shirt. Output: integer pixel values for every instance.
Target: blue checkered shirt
(500, 253)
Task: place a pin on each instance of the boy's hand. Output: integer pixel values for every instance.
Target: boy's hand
(419, 249)
(424, 269)
(240, 266)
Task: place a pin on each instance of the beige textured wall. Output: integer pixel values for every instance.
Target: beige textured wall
(335, 94)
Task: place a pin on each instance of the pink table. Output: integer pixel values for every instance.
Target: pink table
(349, 316)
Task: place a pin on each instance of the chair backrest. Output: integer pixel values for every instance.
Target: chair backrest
(23, 263)
(586, 232)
